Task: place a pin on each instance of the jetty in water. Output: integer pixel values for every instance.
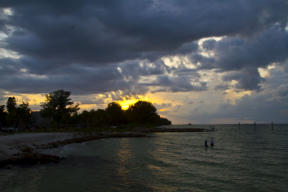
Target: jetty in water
(155, 130)
(179, 128)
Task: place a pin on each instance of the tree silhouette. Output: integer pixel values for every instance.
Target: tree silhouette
(115, 114)
(12, 114)
(3, 116)
(61, 111)
(92, 119)
(11, 105)
(23, 115)
(18, 115)
(142, 112)
(58, 107)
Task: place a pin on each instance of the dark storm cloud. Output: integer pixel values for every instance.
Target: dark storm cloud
(8, 67)
(248, 79)
(260, 50)
(79, 44)
(135, 69)
(242, 57)
(81, 80)
(97, 32)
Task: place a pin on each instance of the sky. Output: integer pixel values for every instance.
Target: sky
(197, 61)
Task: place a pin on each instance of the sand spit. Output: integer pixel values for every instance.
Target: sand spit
(29, 148)
(11, 145)
(24, 148)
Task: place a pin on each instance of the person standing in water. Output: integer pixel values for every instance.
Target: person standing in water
(211, 142)
(206, 143)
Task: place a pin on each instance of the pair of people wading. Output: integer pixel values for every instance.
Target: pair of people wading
(211, 142)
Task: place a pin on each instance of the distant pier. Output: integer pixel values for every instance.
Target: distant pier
(156, 130)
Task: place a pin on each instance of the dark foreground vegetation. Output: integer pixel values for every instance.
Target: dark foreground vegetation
(59, 112)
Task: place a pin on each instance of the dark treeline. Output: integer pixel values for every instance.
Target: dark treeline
(59, 111)
(15, 116)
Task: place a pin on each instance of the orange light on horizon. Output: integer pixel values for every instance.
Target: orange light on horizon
(164, 109)
(126, 103)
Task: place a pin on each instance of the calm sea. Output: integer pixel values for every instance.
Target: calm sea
(243, 159)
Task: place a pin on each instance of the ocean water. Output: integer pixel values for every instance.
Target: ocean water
(243, 159)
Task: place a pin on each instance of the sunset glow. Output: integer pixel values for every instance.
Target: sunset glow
(126, 103)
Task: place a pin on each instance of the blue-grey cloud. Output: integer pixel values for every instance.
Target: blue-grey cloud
(260, 50)
(242, 57)
(91, 32)
(79, 45)
(248, 79)
(179, 83)
(258, 108)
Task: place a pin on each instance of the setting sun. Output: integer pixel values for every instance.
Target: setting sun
(126, 103)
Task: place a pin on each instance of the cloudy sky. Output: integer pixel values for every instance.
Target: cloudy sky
(198, 61)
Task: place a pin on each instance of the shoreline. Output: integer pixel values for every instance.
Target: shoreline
(29, 148)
